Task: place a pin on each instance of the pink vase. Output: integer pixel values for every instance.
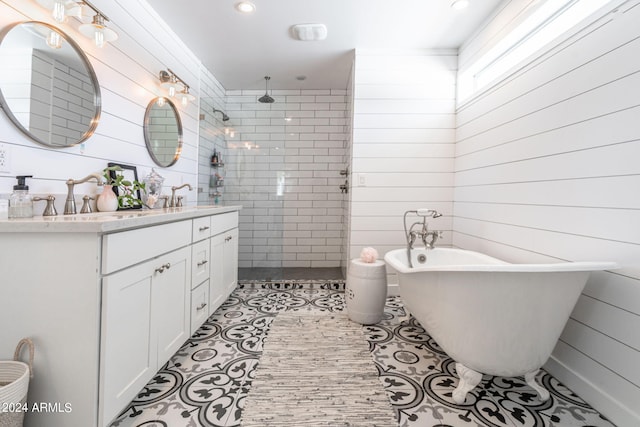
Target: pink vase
(107, 201)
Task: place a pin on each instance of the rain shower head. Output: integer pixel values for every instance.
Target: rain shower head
(266, 99)
(224, 116)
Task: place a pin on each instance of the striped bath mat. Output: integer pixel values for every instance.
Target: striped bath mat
(316, 370)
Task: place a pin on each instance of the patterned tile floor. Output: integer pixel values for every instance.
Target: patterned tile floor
(207, 380)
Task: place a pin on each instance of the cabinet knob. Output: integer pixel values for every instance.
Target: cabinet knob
(203, 262)
(163, 267)
(201, 306)
(203, 228)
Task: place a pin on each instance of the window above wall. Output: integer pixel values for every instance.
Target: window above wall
(546, 21)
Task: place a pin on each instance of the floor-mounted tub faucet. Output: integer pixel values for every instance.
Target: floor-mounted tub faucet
(173, 202)
(70, 203)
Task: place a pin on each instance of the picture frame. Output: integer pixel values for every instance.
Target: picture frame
(130, 173)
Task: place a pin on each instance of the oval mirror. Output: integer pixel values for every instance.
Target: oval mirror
(163, 131)
(47, 86)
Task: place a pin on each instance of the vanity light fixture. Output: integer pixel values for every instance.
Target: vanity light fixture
(169, 81)
(175, 86)
(97, 29)
(185, 96)
(60, 9)
(57, 7)
(459, 4)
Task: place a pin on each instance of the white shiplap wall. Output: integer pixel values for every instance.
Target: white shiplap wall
(547, 170)
(403, 144)
(286, 175)
(127, 72)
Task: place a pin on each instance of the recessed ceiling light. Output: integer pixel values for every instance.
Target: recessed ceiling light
(459, 4)
(245, 7)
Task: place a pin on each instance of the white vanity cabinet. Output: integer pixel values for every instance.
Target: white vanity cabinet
(224, 252)
(145, 320)
(200, 272)
(107, 299)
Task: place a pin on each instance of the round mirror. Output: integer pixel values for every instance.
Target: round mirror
(47, 86)
(163, 131)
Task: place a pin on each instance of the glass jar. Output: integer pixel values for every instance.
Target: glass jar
(153, 185)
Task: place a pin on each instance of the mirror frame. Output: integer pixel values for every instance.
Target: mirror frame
(147, 138)
(97, 97)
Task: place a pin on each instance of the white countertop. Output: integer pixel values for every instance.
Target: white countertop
(108, 222)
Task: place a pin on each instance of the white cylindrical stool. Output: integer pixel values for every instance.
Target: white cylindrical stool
(366, 291)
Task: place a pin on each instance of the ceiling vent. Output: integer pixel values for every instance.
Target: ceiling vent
(309, 32)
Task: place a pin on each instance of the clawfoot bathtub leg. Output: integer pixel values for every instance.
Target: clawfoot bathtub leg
(530, 378)
(468, 380)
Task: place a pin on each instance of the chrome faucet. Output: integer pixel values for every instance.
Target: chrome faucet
(424, 232)
(173, 202)
(70, 203)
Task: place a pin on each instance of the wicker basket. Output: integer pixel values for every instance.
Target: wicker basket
(14, 385)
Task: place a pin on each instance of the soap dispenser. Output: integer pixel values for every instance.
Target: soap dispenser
(20, 202)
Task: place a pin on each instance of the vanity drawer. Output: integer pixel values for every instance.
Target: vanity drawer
(199, 262)
(223, 222)
(201, 228)
(199, 305)
(120, 250)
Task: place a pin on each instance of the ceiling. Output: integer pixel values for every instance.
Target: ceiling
(241, 49)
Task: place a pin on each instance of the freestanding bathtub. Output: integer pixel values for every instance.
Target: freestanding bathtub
(488, 315)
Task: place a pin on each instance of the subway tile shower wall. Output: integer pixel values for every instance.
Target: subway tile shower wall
(283, 163)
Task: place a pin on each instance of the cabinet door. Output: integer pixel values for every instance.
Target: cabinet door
(230, 261)
(128, 355)
(217, 290)
(171, 293)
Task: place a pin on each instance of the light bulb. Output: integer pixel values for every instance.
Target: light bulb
(185, 96)
(161, 101)
(172, 91)
(54, 40)
(58, 11)
(99, 37)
